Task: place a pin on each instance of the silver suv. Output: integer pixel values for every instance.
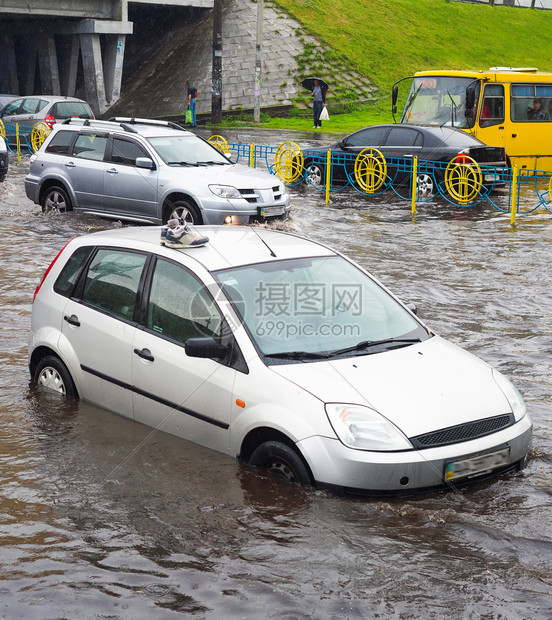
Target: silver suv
(148, 171)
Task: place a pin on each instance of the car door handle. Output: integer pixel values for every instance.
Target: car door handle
(70, 164)
(72, 320)
(145, 354)
(113, 171)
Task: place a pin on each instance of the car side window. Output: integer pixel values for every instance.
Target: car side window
(112, 281)
(90, 146)
(30, 106)
(401, 136)
(179, 306)
(12, 107)
(126, 152)
(368, 137)
(60, 142)
(69, 275)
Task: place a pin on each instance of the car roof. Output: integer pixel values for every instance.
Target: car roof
(437, 132)
(228, 246)
(145, 127)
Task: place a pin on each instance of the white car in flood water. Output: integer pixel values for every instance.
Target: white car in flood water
(276, 350)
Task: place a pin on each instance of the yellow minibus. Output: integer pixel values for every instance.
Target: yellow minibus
(504, 106)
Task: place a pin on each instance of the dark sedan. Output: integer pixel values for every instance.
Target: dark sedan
(398, 144)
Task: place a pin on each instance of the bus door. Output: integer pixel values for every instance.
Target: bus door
(529, 135)
(492, 129)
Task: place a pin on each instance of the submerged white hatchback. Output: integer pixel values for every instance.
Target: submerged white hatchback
(276, 350)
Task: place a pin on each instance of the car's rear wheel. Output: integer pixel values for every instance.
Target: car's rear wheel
(426, 186)
(184, 211)
(279, 459)
(52, 374)
(55, 200)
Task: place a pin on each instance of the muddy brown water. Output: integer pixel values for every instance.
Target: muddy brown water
(100, 518)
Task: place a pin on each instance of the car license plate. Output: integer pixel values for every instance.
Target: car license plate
(491, 178)
(272, 211)
(477, 465)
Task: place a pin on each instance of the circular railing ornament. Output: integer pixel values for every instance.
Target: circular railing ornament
(289, 162)
(39, 133)
(370, 170)
(219, 143)
(463, 179)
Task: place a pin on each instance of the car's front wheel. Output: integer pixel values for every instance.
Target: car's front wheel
(184, 211)
(55, 200)
(282, 461)
(52, 374)
(315, 174)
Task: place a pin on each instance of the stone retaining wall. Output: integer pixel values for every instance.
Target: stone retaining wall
(154, 75)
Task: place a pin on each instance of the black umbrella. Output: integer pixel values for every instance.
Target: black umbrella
(308, 83)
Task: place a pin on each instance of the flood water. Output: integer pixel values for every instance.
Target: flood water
(101, 518)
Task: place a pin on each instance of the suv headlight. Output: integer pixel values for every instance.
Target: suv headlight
(519, 408)
(225, 191)
(365, 429)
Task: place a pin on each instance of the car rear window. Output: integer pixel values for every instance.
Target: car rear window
(67, 109)
(460, 139)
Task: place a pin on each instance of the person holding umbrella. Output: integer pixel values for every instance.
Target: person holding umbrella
(318, 90)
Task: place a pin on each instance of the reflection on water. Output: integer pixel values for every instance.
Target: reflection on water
(102, 518)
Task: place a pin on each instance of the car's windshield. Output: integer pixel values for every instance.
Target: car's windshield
(438, 100)
(186, 150)
(316, 307)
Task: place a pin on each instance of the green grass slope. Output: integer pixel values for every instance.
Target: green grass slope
(389, 39)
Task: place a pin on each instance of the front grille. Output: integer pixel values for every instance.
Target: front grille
(265, 197)
(249, 194)
(463, 432)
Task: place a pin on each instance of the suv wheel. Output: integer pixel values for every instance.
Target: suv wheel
(55, 200)
(183, 210)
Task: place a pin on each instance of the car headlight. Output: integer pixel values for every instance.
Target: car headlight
(365, 429)
(519, 408)
(225, 191)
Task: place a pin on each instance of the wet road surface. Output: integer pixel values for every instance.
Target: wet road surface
(100, 518)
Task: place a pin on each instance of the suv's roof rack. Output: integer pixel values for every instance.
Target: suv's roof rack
(72, 119)
(144, 121)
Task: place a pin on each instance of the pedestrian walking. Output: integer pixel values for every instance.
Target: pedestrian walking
(192, 94)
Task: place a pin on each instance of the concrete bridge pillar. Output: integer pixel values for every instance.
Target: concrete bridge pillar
(48, 65)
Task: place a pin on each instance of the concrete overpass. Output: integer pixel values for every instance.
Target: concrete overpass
(63, 47)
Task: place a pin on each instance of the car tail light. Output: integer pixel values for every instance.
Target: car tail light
(462, 158)
(48, 270)
(50, 121)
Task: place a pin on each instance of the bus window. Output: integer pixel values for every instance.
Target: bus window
(492, 108)
(529, 102)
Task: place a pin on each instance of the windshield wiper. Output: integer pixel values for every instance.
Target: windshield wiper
(212, 163)
(181, 163)
(368, 344)
(297, 355)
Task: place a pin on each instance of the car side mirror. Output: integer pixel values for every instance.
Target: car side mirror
(412, 307)
(394, 97)
(205, 348)
(145, 162)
